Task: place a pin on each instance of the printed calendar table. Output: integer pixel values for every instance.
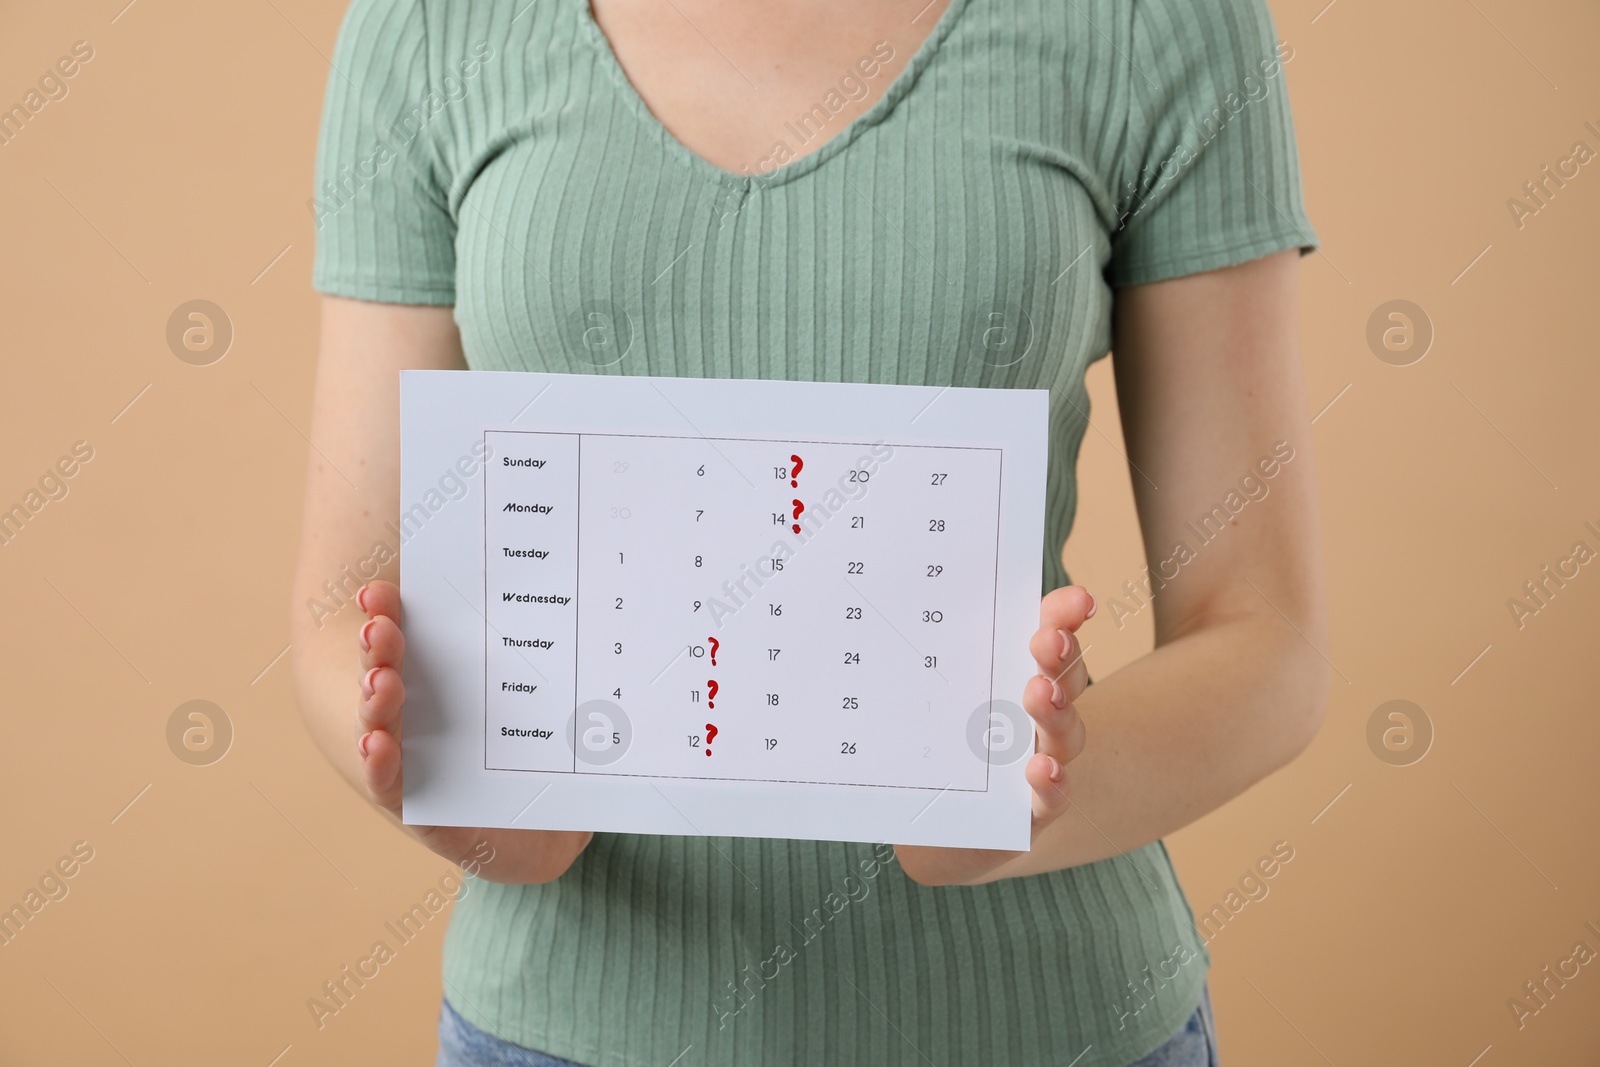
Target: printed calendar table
(732, 608)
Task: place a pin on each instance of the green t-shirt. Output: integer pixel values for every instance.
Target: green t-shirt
(968, 230)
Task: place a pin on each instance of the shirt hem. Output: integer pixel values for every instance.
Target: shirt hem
(1170, 1025)
(386, 293)
(1232, 255)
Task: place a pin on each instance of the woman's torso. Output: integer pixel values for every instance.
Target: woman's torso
(965, 231)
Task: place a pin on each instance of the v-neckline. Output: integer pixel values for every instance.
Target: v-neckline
(589, 27)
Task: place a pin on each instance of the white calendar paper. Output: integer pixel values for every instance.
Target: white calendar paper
(720, 607)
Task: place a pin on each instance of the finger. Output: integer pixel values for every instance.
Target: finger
(1058, 728)
(1073, 678)
(1059, 655)
(380, 759)
(381, 643)
(1048, 779)
(379, 598)
(382, 696)
(1066, 608)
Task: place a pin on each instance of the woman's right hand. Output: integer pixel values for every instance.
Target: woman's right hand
(513, 856)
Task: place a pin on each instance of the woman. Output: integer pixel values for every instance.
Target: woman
(965, 193)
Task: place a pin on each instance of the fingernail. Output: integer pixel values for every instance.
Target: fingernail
(1057, 696)
(361, 598)
(1055, 769)
(1092, 606)
(1066, 645)
(361, 744)
(362, 638)
(366, 681)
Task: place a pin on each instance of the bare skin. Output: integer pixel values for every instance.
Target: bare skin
(1208, 381)
(731, 80)
(356, 424)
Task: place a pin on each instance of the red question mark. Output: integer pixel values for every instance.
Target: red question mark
(798, 508)
(711, 734)
(712, 695)
(794, 471)
(715, 644)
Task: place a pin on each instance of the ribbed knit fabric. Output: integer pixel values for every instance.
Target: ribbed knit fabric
(970, 230)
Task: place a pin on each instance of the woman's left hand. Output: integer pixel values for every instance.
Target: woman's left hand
(1059, 736)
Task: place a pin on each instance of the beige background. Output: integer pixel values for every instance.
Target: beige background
(1417, 903)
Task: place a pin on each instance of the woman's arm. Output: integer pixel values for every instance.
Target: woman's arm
(1209, 383)
(342, 646)
(355, 427)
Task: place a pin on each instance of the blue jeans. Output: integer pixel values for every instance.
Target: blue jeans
(463, 1045)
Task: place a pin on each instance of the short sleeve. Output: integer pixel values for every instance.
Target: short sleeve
(381, 211)
(1210, 176)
